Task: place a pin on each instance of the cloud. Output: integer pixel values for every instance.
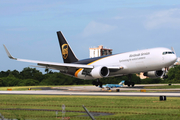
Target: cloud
(164, 19)
(94, 28)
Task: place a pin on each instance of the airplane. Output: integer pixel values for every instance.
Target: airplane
(153, 62)
(109, 86)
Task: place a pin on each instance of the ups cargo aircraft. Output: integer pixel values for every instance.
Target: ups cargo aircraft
(153, 62)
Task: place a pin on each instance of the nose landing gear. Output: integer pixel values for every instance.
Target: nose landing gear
(129, 83)
(97, 83)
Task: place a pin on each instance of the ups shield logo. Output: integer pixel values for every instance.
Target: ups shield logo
(65, 50)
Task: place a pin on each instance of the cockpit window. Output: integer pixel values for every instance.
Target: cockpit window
(164, 53)
(168, 52)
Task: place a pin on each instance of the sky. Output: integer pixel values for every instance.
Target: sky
(28, 28)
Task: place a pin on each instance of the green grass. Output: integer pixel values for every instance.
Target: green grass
(138, 108)
(14, 88)
(19, 87)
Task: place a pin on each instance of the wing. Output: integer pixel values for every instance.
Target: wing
(56, 66)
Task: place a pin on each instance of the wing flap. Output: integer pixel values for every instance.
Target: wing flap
(50, 64)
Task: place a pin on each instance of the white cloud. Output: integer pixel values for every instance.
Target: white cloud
(94, 28)
(164, 19)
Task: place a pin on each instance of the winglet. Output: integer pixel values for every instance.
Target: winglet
(9, 55)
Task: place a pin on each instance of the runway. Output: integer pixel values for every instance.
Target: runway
(95, 91)
(57, 92)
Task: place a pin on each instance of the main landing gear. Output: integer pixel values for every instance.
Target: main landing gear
(165, 76)
(129, 83)
(97, 83)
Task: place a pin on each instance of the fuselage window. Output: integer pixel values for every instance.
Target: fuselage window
(164, 53)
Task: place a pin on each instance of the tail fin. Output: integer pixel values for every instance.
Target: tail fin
(67, 53)
(173, 50)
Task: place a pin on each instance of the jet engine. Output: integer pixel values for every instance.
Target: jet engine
(100, 72)
(154, 74)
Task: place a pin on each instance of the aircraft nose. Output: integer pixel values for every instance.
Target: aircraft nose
(171, 59)
(174, 58)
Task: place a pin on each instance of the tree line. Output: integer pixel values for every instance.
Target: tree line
(33, 77)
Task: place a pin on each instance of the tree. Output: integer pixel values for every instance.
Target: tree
(31, 73)
(28, 82)
(151, 81)
(38, 76)
(177, 77)
(174, 75)
(1, 82)
(10, 81)
(15, 73)
(5, 74)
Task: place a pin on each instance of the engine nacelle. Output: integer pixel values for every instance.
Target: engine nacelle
(154, 74)
(100, 72)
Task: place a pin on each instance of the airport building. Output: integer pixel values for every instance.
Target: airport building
(99, 51)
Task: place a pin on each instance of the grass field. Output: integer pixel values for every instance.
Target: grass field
(27, 87)
(138, 108)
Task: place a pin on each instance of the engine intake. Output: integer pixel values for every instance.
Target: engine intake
(100, 72)
(154, 74)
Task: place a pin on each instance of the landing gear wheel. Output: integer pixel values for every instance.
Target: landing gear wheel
(94, 82)
(132, 84)
(129, 83)
(100, 84)
(97, 83)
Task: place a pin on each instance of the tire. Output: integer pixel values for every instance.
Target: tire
(100, 84)
(94, 82)
(132, 84)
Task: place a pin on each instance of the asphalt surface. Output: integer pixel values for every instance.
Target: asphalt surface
(96, 91)
(56, 92)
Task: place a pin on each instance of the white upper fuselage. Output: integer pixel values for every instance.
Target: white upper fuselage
(135, 62)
